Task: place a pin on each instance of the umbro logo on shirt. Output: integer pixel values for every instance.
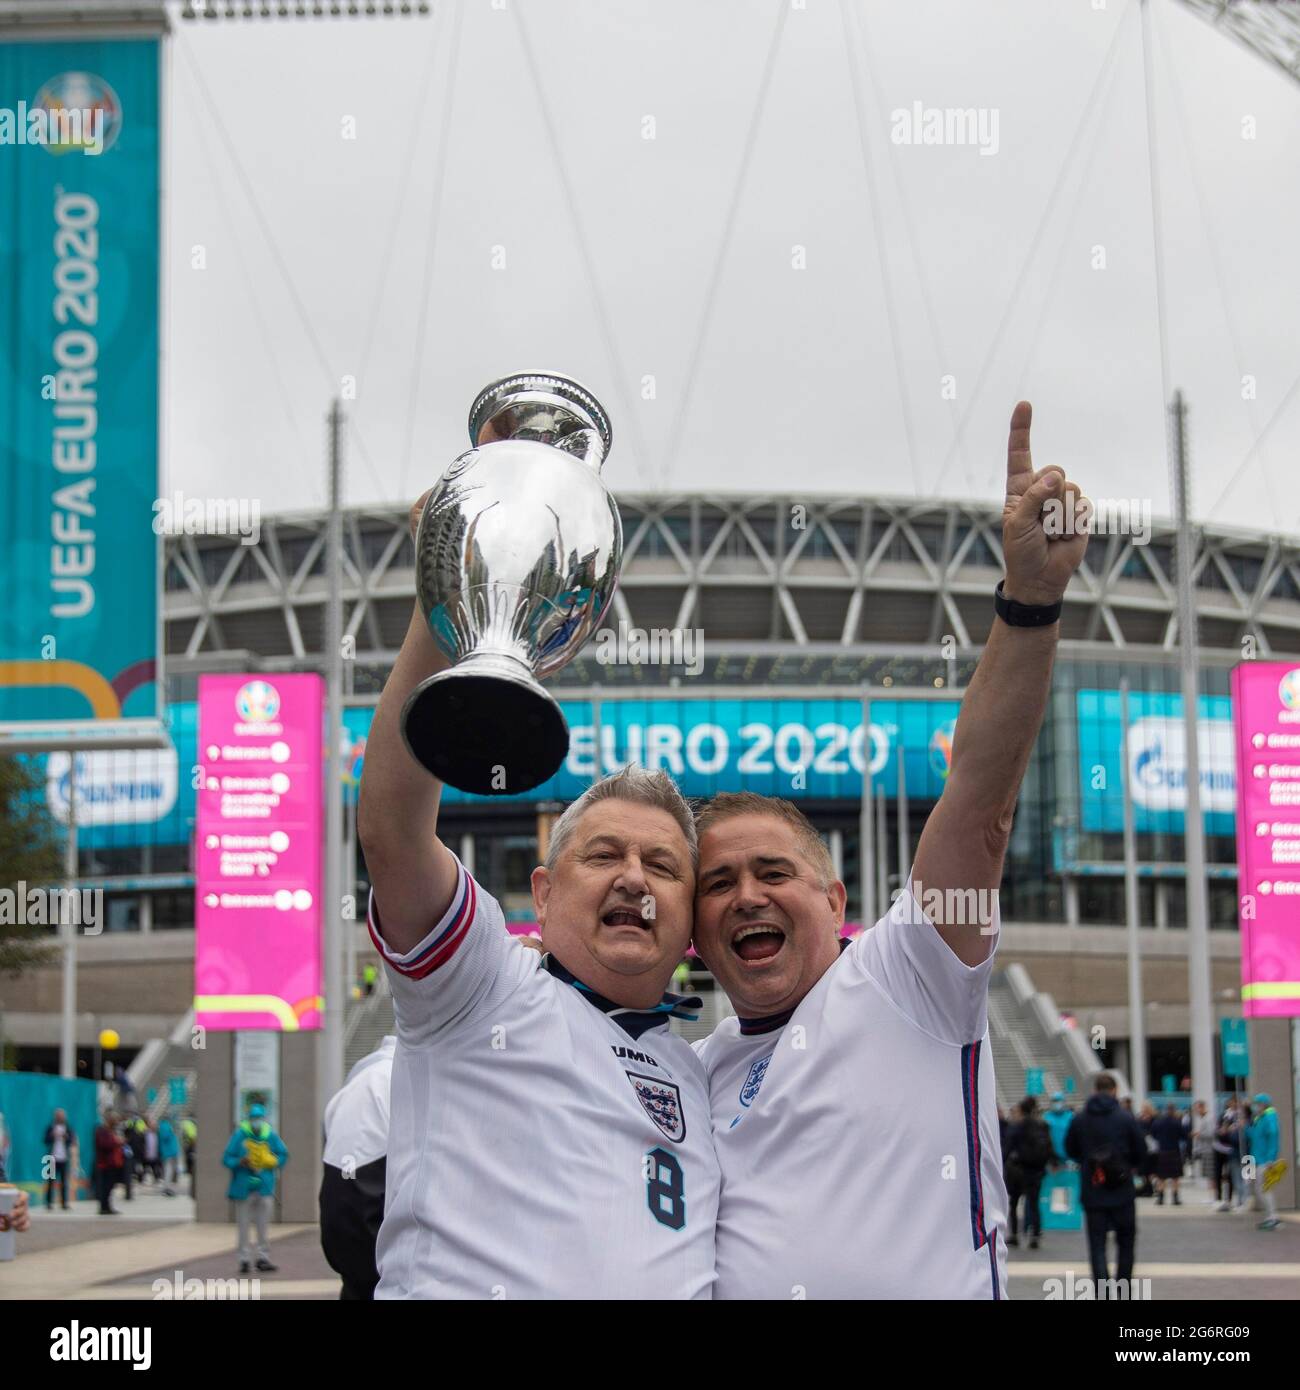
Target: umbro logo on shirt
(630, 1054)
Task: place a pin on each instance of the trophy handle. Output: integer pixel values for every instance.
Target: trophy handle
(485, 726)
(544, 407)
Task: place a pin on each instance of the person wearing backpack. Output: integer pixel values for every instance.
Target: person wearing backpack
(1029, 1148)
(1265, 1148)
(1013, 1175)
(1108, 1146)
(254, 1155)
(1227, 1162)
(1057, 1120)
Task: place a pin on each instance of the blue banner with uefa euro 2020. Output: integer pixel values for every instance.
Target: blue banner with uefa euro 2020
(798, 749)
(79, 212)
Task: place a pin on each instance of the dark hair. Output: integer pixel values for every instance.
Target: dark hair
(1104, 1082)
(727, 804)
(1029, 1107)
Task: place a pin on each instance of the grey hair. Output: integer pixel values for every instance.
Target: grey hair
(632, 783)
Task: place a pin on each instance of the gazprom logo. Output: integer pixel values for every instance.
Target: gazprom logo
(114, 786)
(1158, 764)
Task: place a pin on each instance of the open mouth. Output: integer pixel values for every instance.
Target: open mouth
(624, 917)
(760, 942)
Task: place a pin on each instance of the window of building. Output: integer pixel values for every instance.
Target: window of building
(173, 911)
(1101, 901)
(1247, 570)
(848, 529)
(504, 864)
(121, 913)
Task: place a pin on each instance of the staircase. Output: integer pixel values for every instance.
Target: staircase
(155, 1064)
(369, 1021)
(1025, 1030)
(163, 1103)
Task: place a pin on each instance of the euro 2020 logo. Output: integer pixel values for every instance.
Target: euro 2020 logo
(1288, 689)
(93, 99)
(257, 702)
(941, 749)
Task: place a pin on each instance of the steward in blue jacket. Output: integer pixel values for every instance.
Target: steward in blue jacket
(1264, 1132)
(254, 1155)
(1058, 1120)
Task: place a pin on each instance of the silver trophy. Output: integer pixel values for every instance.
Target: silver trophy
(516, 559)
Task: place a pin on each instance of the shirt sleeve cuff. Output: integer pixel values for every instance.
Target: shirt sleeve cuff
(441, 943)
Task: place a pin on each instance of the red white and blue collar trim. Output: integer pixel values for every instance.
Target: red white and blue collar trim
(632, 1021)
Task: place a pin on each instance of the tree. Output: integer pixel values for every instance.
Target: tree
(29, 853)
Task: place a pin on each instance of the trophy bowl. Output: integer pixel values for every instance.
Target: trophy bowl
(517, 555)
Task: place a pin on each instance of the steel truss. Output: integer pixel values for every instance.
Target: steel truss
(780, 575)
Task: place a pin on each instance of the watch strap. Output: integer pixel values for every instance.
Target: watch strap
(1025, 614)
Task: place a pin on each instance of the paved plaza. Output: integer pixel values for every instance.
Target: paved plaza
(1187, 1252)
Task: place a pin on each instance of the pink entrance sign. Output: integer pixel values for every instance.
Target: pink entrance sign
(258, 850)
(1266, 717)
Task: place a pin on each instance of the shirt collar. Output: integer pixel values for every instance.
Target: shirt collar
(750, 1026)
(632, 1021)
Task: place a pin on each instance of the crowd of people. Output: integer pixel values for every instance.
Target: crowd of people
(127, 1151)
(132, 1150)
(1121, 1157)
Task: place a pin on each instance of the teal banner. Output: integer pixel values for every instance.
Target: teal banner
(1058, 1201)
(28, 1101)
(1235, 1045)
(79, 269)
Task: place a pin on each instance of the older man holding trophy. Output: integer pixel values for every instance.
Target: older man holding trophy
(554, 1138)
(549, 1136)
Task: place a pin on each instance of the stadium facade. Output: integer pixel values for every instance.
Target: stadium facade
(749, 637)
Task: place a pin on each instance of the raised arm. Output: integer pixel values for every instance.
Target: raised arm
(413, 873)
(965, 838)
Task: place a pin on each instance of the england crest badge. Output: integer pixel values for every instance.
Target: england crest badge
(662, 1101)
(754, 1080)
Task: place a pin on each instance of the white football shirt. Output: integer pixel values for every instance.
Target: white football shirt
(858, 1135)
(543, 1142)
(356, 1118)
(353, 1178)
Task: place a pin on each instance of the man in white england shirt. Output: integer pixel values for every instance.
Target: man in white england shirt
(853, 1097)
(548, 1136)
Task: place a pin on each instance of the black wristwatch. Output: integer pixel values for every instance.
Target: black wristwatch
(1024, 614)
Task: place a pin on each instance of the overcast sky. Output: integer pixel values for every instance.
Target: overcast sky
(516, 130)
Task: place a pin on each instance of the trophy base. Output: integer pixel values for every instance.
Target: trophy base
(488, 734)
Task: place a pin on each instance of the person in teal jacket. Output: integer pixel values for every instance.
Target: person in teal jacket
(1058, 1123)
(1264, 1150)
(254, 1155)
(169, 1150)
